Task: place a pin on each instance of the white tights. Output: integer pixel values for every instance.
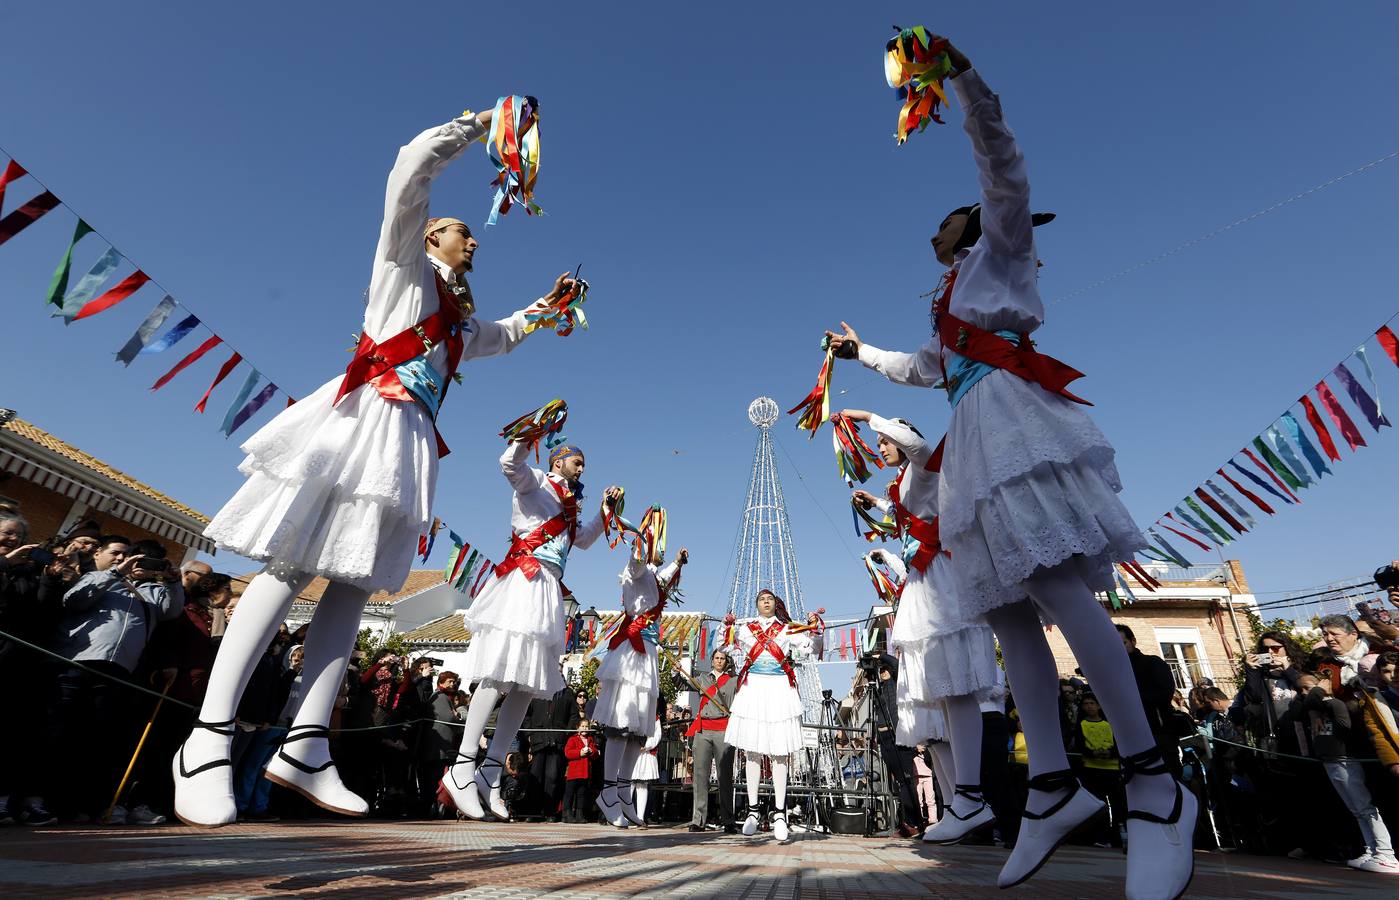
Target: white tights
(754, 770)
(641, 789)
(1034, 678)
(326, 655)
(507, 725)
(619, 759)
(964, 735)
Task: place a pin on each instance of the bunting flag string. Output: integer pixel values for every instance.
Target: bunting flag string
(1339, 415)
(242, 396)
(816, 408)
(1299, 437)
(466, 567)
(1363, 401)
(229, 365)
(87, 298)
(27, 214)
(1389, 342)
(58, 286)
(852, 453)
(154, 319)
(128, 286)
(1281, 460)
(179, 367)
(426, 541)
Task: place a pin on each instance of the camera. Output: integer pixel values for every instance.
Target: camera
(1387, 577)
(151, 564)
(40, 556)
(431, 660)
(870, 663)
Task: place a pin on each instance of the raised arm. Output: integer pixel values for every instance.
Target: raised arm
(921, 369)
(1005, 187)
(514, 465)
(913, 446)
(410, 182)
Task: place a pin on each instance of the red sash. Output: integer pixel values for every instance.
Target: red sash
(629, 629)
(1020, 359)
(709, 693)
(765, 642)
(374, 363)
(922, 531)
(522, 547)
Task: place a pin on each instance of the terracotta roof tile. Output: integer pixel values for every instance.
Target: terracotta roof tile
(446, 630)
(417, 581)
(42, 438)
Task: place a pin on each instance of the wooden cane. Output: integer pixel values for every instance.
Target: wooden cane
(139, 746)
(674, 664)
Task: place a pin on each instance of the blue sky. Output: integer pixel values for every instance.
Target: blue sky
(729, 181)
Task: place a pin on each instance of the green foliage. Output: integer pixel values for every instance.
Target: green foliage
(584, 681)
(670, 685)
(371, 644)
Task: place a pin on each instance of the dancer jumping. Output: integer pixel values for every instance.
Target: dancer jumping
(517, 621)
(1028, 508)
(340, 484)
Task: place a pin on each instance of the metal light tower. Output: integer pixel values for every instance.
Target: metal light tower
(765, 557)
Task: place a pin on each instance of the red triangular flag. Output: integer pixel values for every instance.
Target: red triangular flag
(223, 373)
(203, 348)
(1389, 342)
(129, 285)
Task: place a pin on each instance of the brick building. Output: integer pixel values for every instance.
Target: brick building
(57, 486)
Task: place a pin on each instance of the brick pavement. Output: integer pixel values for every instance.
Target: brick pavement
(425, 859)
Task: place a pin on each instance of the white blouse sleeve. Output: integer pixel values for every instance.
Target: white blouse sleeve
(921, 369)
(515, 467)
(410, 181)
(1005, 187)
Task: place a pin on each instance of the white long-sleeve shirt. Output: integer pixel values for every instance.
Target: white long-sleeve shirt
(997, 284)
(795, 647)
(535, 503)
(918, 488)
(402, 289)
(641, 583)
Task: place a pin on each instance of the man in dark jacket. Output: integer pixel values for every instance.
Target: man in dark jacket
(897, 760)
(548, 766)
(1156, 686)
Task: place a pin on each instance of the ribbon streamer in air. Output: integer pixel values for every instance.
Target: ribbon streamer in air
(562, 314)
(513, 146)
(543, 424)
(915, 64)
(816, 408)
(851, 451)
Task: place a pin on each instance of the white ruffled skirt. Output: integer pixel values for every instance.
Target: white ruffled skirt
(339, 491)
(1027, 482)
(766, 717)
(646, 768)
(517, 635)
(940, 653)
(628, 685)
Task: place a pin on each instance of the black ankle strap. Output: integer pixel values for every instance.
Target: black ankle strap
(1150, 763)
(1050, 782)
(461, 758)
(973, 793)
(1147, 762)
(307, 732)
(226, 729)
(970, 791)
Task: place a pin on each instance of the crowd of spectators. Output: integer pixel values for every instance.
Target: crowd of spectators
(107, 644)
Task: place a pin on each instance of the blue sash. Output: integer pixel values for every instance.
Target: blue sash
(962, 373)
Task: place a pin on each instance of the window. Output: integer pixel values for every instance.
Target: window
(1185, 654)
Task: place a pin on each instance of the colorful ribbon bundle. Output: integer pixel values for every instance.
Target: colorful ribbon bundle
(818, 627)
(852, 451)
(883, 528)
(513, 146)
(916, 63)
(561, 315)
(881, 576)
(648, 537)
(545, 423)
(816, 408)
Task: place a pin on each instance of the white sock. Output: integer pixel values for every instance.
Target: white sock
(1099, 651)
(944, 770)
(779, 783)
(640, 791)
(753, 768)
(507, 725)
(478, 712)
(612, 756)
(964, 733)
(631, 751)
(263, 607)
(329, 642)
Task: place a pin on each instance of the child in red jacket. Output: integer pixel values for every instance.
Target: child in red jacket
(580, 750)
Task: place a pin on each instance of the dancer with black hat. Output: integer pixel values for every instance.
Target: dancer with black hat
(1028, 507)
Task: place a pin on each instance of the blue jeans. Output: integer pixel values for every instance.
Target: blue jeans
(1348, 777)
(250, 789)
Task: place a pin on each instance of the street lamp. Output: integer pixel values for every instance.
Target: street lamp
(588, 621)
(570, 606)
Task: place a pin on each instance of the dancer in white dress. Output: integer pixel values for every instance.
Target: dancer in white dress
(766, 716)
(646, 770)
(517, 621)
(1028, 508)
(628, 675)
(947, 662)
(341, 483)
